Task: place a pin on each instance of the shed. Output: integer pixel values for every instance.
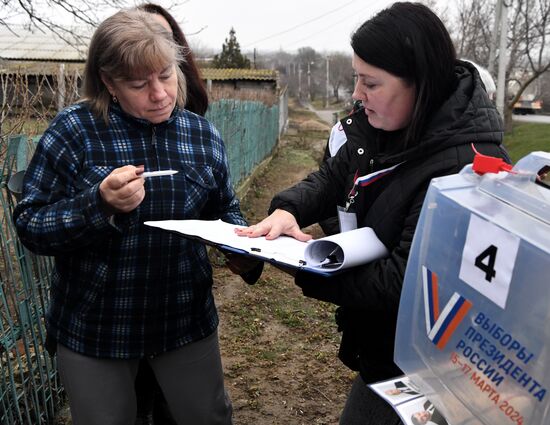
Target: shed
(41, 61)
(246, 84)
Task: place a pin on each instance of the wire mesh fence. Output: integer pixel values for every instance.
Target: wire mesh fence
(30, 391)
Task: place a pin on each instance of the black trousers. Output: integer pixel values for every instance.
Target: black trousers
(365, 407)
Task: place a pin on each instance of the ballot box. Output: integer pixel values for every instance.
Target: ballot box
(473, 329)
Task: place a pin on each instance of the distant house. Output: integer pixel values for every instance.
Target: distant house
(248, 84)
(40, 64)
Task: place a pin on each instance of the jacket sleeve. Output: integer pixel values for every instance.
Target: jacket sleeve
(54, 216)
(375, 286)
(330, 225)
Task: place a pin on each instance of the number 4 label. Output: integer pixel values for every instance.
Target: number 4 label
(488, 259)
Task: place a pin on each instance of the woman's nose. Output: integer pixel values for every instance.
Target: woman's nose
(358, 94)
(157, 91)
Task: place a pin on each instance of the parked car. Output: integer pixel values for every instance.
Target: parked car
(527, 106)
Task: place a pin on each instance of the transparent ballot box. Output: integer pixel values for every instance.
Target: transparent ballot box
(474, 318)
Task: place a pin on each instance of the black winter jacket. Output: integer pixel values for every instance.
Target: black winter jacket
(368, 295)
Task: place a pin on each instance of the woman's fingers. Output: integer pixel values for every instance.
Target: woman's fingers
(279, 223)
(122, 190)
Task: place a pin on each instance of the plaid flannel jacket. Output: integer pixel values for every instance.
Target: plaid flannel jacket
(128, 290)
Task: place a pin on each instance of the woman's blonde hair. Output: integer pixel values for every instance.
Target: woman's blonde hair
(129, 45)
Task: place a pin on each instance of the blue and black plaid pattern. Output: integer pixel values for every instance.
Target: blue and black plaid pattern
(128, 290)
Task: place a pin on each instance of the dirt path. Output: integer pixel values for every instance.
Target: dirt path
(279, 348)
(325, 115)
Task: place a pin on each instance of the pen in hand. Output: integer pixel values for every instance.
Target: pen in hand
(158, 173)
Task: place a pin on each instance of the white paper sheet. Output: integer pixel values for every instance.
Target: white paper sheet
(348, 249)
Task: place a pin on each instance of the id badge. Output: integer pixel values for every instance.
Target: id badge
(347, 219)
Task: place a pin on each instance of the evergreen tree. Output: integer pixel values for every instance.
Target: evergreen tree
(231, 56)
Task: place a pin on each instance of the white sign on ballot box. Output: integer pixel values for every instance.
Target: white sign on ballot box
(473, 328)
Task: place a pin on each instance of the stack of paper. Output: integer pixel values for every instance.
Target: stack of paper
(323, 255)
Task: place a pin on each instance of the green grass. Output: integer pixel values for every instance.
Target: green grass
(526, 138)
(299, 157)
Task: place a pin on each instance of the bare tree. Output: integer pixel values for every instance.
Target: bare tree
(473, 29)
(527, 40)
(528, 45)
(340, 73)
(60, 17)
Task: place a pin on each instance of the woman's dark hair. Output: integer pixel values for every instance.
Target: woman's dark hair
(409, 41)
(197, 97)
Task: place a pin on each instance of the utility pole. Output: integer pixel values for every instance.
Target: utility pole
(502, 60)
(501, 25)
(309, 81)
(327, 97)
(299, 81)
(494, 37)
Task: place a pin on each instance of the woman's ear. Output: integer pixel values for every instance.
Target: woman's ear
(108, 83)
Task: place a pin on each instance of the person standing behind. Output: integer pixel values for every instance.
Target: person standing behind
(122, 291)
(422, 110)
(151, 405)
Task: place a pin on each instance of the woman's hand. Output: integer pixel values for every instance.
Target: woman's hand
(122, 190)
(280, 222)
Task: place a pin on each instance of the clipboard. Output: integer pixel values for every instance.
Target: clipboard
(324, 256)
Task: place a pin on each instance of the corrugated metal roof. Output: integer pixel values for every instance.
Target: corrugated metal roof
(239, 74)
(18, 43)
(39, 67)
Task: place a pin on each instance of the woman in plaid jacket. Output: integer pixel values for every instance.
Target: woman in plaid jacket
(122, 291)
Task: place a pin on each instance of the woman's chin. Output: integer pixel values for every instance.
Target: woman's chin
(373, 120)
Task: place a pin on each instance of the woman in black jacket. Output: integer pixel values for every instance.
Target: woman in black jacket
(422, 110)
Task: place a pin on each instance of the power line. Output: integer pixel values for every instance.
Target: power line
(300, 25)
(332, 25)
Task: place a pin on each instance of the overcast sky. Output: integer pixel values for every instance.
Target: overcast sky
(325, 25)
(278, 24)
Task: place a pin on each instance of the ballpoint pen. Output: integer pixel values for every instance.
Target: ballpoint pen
(146, 174)
(331, 260)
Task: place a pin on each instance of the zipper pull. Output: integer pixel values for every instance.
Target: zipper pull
(153, 136)
(371, 165)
